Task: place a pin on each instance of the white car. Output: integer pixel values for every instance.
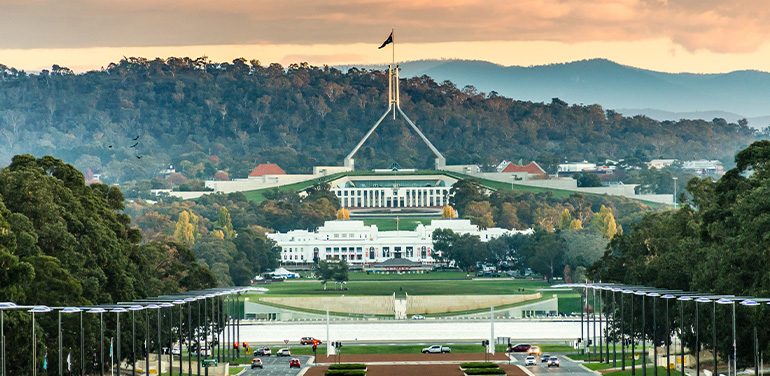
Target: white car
(418, 317)
(529, 361)
(204, 352)
(283, 352)
(176, 351)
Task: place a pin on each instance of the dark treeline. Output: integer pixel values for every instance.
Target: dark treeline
(716, 243)
(137, 116)
(63, 243)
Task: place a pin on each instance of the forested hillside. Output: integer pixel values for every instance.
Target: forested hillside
(137, 116)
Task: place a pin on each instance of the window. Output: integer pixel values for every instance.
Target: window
(358, 256)
(423, 252)
(371, 253)
(385, 251)
(409, 252)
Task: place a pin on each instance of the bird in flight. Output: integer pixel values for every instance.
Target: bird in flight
(138, 157)
(134, 145)
(137, 137)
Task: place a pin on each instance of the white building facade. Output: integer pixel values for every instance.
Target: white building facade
(356, 243)
(389, 191)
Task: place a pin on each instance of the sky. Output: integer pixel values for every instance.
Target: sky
(700, 36)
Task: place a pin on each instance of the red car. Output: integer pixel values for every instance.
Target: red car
(309, 341)
(519, 348)
(294, 363)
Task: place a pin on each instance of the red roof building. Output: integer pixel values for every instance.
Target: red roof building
(532, 168)
(267, 169)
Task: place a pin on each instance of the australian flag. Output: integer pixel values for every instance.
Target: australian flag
(388, 41)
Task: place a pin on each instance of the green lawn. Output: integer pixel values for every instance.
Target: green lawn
(234, 370)
(661, 371)
(404, 223)
(388, 287)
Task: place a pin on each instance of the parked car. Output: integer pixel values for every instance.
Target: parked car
(283, 352)
(534, 350)
(264, 351)
(176, 351)
(553, 361)
(294, 363)
(256, 363)
(309, 341)
(544, 358)
(521, 347)
(436, 349)
(418, 317)
(529, 361)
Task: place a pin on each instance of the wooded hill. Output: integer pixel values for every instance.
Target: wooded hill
(138, 116)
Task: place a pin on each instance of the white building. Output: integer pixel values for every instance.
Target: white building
(352, 241)
(393, 191)
(573, 167)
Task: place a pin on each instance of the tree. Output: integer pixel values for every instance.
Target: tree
(331, 270)
(575, 224)
(184, 229)
(587, 179)
(545, 252)
(480, 214)
(604, 221)
(565, 219)
(225, 224)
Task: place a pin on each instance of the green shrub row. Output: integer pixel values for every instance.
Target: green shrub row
(347, 366)
(485, 371)
(345, 372)
(479, 365)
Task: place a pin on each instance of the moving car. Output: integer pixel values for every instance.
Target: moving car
(521, 347)
(176, 351)
(529, 361)
(534, 350)
(436, 349)
(256, 362)
(418, 317)
(552, 361)
(264, 351)
(294, 363)
(309, 341)
(544, 358)
(283, 352)
(204, 352)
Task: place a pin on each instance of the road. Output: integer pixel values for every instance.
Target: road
(275, 366)
(566, 367)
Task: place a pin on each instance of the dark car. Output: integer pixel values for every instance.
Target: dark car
(262, 351)
(544, 358)
(521, 347)
(256, 363)
(553, 361)
(294, 363)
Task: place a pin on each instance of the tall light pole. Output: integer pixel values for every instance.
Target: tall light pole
(4, 305)
(100, 311)
(133, 310)
(735, 351)
(38, 309)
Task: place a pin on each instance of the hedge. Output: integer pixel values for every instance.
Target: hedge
(347, 366)
(485, 371)
(479, 365)
(345, 372)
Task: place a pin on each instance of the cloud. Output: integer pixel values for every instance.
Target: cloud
(736, 26)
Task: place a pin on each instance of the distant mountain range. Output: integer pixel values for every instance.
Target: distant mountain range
(628, 90)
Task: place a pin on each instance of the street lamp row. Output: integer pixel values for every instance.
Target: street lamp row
(165, 301)
(681, 296)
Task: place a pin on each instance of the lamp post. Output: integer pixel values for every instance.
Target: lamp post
(133, 310)
(4, 305)
(179, 332)
(67, 310)
(38, 309)
(735, 351)
(615, 322)
(160, 346)
(654, 334)
(622, 318)
(100, 311)
(118, 311)
(644, 333)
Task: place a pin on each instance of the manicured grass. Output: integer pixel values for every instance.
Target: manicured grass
(404, 223)
(361, 276)
(597, 366)
(388, 287)
(234, 370)
(392, 349)
(545, 349)
(661, 371)
(568, 302)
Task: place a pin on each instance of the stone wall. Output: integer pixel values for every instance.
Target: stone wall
(367, 305)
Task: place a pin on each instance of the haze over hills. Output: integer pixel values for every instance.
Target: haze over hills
(628, 90)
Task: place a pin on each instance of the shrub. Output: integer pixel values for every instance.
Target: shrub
(479, 365)
(347, 366)
(345, 372)
(485, 371)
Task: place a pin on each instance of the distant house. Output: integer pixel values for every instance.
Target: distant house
(266, 169)
(533, 169)
(704, 167)
(660, 163)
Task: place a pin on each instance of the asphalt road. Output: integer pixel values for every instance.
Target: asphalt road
(566, 367)
(275, 366)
